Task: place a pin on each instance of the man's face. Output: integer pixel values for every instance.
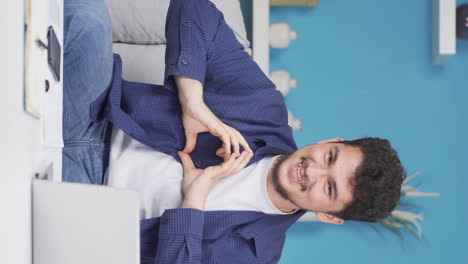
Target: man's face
(317, 177)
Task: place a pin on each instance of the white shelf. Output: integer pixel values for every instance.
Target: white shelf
(444, 31)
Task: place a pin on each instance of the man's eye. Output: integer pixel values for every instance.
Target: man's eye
(329, 189)
(330, 157)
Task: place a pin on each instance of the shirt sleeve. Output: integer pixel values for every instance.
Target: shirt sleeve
(191, 26)
(180, 236)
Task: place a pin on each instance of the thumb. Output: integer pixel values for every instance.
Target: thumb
(187, 162)
(220, 152)
(191, 140)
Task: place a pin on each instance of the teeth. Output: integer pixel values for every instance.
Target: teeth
(298, 175)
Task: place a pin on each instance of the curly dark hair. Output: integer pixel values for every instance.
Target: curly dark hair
(377, 182)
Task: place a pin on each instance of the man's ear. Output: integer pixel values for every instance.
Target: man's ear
(330, 140)
(330, 219)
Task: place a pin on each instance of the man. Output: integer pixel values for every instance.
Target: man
(244, 183)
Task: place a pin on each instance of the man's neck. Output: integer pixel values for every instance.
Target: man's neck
(279, 202)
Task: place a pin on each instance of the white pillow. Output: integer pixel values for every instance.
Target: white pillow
(143, 21)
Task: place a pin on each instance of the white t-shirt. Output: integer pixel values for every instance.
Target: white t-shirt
(157, 177)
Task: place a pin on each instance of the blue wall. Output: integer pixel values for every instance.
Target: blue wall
(364, 69)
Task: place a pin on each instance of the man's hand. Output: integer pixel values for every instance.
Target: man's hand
(197, 118)
(198, 183)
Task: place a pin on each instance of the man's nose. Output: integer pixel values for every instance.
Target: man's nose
(314, 174)
(311, 179)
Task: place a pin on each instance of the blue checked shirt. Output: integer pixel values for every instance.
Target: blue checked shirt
(201, 45)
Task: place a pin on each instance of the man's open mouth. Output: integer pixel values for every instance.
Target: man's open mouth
(299, 174)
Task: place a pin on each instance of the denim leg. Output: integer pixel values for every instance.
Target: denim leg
(88, 63)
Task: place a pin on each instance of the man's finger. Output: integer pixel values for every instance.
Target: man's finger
(240, 162)
(244, 143)
(191, 140)
(187, 162)
(220, 152)
(232, 167)
(241, 141)
(222, 133)
(235, 142)
(244, 161)
(225, 166)
(227, 144)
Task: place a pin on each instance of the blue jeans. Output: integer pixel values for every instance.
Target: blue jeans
(87, 73)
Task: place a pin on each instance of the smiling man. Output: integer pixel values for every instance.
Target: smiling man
(340, 180)
(240, 181)
(316, 178)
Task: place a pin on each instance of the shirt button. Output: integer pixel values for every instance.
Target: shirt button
(198, 163)
(164, 221)
(184, 61)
